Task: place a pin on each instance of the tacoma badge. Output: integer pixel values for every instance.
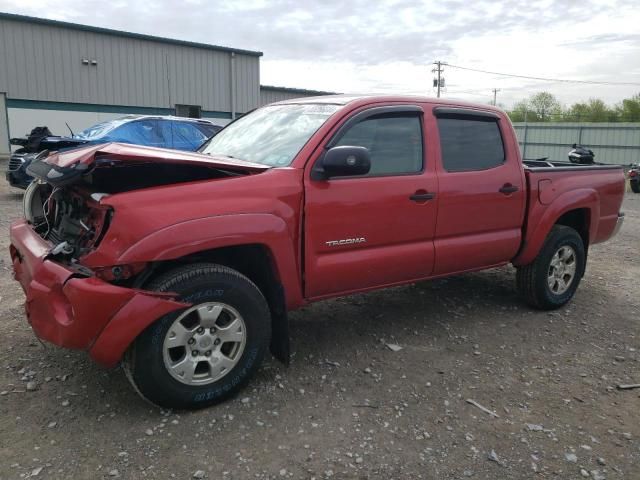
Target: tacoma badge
(345, 241)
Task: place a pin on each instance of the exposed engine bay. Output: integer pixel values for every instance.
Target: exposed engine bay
(123, 177)
(64, 203)
(68, 218)
(68, 212)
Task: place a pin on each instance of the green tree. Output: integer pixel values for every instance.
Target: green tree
(598, 111)
(544, 107)
(595, 110)
(578, 112)
(629, 110)
(519, 111)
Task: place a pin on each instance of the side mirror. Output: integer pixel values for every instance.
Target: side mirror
(343, 161)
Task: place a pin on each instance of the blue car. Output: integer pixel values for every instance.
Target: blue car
(153, 131)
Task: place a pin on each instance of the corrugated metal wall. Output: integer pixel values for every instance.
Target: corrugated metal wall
(278, 94)
(616, 143)
(4, 128)
(247, 76)
(44, 62)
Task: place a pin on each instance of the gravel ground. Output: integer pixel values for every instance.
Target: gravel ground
(349, 406)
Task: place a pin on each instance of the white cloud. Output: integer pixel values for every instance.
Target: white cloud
(387, 46)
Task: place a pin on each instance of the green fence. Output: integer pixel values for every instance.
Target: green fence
(615, 143)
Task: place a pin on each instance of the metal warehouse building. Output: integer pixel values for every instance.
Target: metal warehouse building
(269, 94)
(52, 73)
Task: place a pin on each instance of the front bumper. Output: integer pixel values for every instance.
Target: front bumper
(72, 310)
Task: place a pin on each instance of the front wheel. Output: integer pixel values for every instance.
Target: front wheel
(203, 354)
(635, 186)
(552, 279)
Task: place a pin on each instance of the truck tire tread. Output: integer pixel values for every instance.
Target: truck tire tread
(531, 279)
(153, 384)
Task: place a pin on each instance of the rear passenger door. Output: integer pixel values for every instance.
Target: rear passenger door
(377, 229)
(481, 191)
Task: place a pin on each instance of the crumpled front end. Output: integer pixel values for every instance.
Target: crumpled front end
(65, 251)
(67, 306)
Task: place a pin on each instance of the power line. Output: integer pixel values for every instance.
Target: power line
(563, 80)
(467, 92)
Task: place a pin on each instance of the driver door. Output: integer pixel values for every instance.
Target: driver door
(377, 229)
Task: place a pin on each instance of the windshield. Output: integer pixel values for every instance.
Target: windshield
(271, 135)
(99, 130)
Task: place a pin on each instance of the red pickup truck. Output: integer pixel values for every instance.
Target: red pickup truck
(183, 265)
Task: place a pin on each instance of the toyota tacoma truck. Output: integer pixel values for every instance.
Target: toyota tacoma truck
(183, 266)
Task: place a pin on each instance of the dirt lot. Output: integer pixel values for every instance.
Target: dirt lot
(349, 406)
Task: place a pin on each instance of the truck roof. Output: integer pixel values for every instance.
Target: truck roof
(346, 99)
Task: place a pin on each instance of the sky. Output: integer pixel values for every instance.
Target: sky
(388, 46)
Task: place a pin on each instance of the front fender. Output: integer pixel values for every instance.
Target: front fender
(209, 233)
(541, 219)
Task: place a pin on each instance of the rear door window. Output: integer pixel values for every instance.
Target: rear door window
(394, 142)
(470, 144)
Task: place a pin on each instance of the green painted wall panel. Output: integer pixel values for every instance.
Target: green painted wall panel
(614, 143)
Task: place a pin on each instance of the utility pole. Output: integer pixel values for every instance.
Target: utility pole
(438, 82)
(495, 94)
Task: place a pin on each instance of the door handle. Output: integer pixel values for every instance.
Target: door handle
(422, 197)
(507, 189)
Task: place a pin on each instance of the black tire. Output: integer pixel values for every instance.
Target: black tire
(532, 279)
(635, 187)
(196, 284)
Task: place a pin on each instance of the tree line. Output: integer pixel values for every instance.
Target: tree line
(545, 107)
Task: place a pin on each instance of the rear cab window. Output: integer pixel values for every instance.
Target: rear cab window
(469, 142)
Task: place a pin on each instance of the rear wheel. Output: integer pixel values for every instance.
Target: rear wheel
(552, 279)
(635, 186)
(204, 354)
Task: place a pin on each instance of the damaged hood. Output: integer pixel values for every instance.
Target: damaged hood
(122, 152)
(62, 168)
(48, 143)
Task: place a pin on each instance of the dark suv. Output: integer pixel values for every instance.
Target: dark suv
(634, 178)
(153, 131)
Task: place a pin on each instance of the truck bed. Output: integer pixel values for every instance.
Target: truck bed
(598, 189)
(537, 165)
